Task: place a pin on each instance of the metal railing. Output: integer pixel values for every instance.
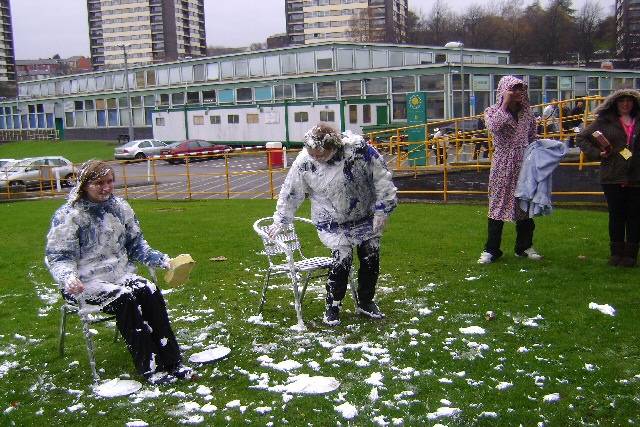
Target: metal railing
(252, 174)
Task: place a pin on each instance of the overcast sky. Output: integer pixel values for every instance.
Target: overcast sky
(43, 28)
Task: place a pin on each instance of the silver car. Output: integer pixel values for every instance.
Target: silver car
(39, 171)
(139, 149)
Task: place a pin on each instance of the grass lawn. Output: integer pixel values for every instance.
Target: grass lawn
(76, 151)
(543, 340)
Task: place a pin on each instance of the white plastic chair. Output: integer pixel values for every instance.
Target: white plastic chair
(285, 258)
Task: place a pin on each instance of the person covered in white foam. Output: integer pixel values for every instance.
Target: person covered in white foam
(92, 245)
(351, 195)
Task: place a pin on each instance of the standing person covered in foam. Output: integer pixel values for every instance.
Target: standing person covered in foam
(351, 195)
(617, 121)
(91, 248)
(513, 127)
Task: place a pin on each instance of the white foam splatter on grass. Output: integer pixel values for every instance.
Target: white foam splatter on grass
(603, 308)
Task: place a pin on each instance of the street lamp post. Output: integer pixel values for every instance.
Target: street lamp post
(460, 45)
(126, 88)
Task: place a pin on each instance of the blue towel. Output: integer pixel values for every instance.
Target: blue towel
(534, 183)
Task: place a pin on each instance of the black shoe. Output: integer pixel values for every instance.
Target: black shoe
(160, 378)
(183, 372)
(370, 309)
(332, 315)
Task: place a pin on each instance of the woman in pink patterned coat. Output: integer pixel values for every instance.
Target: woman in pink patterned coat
(513, 127)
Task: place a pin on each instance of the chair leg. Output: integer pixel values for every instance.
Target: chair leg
(90, 349)
(263, 295)
(304, 287)
(63, 330)
(297, 304)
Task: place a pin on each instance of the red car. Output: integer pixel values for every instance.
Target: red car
(196, 149)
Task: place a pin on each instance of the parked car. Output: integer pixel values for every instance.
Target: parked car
(191, 147)
(33, 171)
(139, 149)
(6, 163)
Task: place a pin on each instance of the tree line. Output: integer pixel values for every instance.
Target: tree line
(552, 33)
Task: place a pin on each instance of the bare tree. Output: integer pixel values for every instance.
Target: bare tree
(588, 20)
(440, 24)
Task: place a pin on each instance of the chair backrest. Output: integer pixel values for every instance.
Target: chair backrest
(284, 243)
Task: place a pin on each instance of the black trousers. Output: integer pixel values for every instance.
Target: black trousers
(141, 316)
(624, 212)
(369, 256)
(524, 236)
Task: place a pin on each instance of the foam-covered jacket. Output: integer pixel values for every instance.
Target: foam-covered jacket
(97, 243)
(350, 188)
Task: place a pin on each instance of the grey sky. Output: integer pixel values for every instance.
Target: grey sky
(43, 28)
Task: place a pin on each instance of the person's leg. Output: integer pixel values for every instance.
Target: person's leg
(154, 312)
(339, 274)
(632, 222)
(524, 235)
(617, 218)
(494, 238)
(369, 256)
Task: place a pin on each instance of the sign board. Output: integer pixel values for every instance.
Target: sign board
(417, 115)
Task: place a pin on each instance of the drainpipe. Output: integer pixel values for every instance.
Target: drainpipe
(286, 124)
(342, 118)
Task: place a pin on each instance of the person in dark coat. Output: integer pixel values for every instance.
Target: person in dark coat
(617, 119)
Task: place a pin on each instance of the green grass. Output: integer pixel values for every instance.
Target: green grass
(76, 151)
(429, 257)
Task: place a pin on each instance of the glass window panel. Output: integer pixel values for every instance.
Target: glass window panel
(263, 93)
(89, 104)
(403, 84)
(272, 65)
(304, 90)
(226, 69)
(140, 79)
(177, 98)
(226, 95)
(396, 58)
(350, 88)
(136, 101)
(82, 85)
(208, 96)
(362, 59)
(174, 75)
(111, 103)
(324, 60)
(165, 99)
(345, 59)
(306, 62)
(411, 58)
(288, 63)
(241, 68)
(284, 91)
(193, 97)
(435, 105)
(605, 82)
(112, 116)
(366, 114)
(593, 83)
(426, 58)
(566, 83)
(432, 82)
(124, 117)
(198, 72)
(375, 86)
(551, 82)
(213, 72)
(187, 73)
(327, 116)
(138, 117)
(256, 67)
(379, 58)
(327, 90)
(91, 119)
(353, 114)
(151, 77)
(101, 118)
(149, 101)
(399, 107)
(244, 94)
(455, 81)
(535, 82)
(162, 76)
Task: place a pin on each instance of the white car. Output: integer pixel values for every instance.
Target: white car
(6, 163)
(39, 171)
(139, 149)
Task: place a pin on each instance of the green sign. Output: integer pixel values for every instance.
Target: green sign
(417, 115)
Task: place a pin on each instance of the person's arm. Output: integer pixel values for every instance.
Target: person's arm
(135, 244)
(587, 142)
(386, 200)
(292, 194)
(499, 122)
(62, 249)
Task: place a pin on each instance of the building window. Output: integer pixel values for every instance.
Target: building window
(327, 116)
(253, 118)
(366, 114)
(214, 120)
(353, 114)
(233, 119)
(159, 121)
(301, 116)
